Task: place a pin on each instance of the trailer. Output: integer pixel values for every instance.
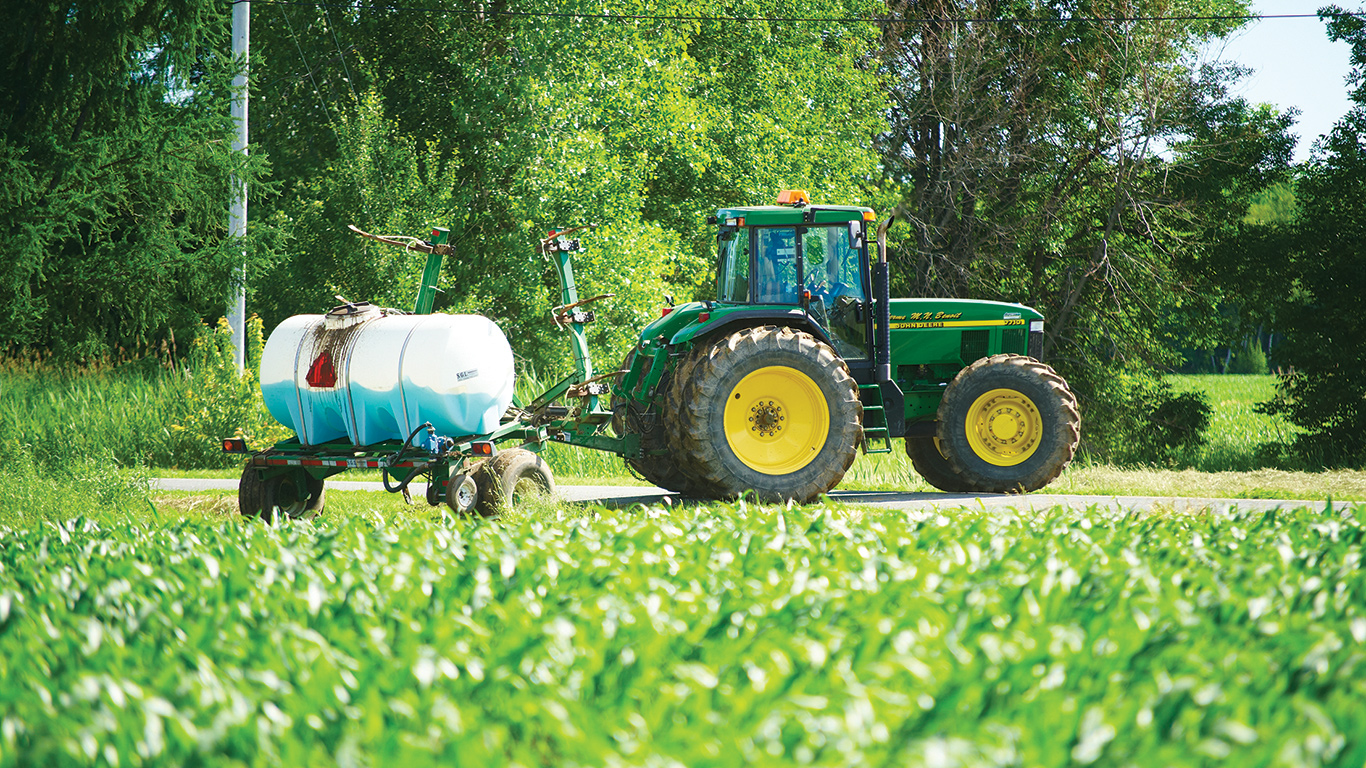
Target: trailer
(468, 472)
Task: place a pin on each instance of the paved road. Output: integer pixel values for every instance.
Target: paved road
(621, 496)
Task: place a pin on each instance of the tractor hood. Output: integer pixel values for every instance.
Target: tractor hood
(959, 313)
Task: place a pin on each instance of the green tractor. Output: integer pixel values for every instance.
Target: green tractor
(802, 359)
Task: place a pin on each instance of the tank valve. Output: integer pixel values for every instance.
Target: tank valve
(436, 445)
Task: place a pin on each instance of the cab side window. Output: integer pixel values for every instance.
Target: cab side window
(776, 281)
(734, 282)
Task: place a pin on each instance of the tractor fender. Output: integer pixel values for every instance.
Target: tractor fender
(730, 322)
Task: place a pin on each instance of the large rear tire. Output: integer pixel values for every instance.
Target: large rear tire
(649, 423)
(294, 494)
(773, 411)
(929, 462)
(1008, 424)
(508, 478)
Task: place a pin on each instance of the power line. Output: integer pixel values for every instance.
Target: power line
(880, 20)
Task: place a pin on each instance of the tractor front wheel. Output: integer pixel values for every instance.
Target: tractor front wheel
(1008, 424)
(929, 462)
(770, 410)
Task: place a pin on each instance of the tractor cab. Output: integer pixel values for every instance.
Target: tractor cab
(796, 255)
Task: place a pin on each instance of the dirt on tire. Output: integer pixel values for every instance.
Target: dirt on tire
(498, 479)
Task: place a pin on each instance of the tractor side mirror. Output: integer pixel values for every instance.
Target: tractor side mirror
(856, 233)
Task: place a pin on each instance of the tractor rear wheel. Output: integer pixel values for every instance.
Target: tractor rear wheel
(509, 477)
(294, 494)
(1008, 424)
(675, 406)
(649, 423)
(929, 462)
(770, 410)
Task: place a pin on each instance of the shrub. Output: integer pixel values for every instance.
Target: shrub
(1135, 418)
(1248, 360)
(214, 401)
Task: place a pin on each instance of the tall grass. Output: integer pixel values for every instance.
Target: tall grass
(1239, 439)
(136, 414)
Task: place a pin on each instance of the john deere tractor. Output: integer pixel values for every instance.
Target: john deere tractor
(802, 359)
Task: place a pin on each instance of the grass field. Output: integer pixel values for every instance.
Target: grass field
(719, 635)
(1237, 431)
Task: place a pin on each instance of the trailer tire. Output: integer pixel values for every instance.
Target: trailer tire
(929, 462)
(651, 425)
(773, 411)
(294, 494)
(509, 477)
(1008, 424)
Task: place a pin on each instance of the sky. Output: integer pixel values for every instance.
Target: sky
(1295, 66)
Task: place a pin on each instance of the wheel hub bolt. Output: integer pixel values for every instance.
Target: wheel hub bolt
(765, 418)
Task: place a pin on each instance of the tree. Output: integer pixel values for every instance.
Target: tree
(502, 125)
(1080, 159)
(1321, 266)
(114, 160)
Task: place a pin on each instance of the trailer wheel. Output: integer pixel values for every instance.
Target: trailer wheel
(929, 462)
(771, 410)
(294, 494)
(509, 477)
(1008, 424)
(650, 424)
(462, 493)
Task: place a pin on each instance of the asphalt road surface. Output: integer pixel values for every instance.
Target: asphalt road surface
(625, 496)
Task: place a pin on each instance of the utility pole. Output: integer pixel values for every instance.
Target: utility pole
(237, 214)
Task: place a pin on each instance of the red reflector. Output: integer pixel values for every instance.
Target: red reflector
(665, 311)
(703, 317)
(806, 295)
(234, 445)
(321, 375)
(481, 449)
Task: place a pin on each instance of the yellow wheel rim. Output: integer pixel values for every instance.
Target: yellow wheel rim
(776, 420)
(1004, 427)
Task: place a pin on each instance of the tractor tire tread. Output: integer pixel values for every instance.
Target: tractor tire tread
(706, 451)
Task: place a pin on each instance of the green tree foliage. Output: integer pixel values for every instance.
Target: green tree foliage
(502, 126)
(1273, 205)
(114, 160)
(1085, 167)
(1322, 257)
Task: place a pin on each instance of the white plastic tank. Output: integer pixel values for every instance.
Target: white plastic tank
(358, 373)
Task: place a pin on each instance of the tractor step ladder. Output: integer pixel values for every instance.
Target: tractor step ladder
(874, 420)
